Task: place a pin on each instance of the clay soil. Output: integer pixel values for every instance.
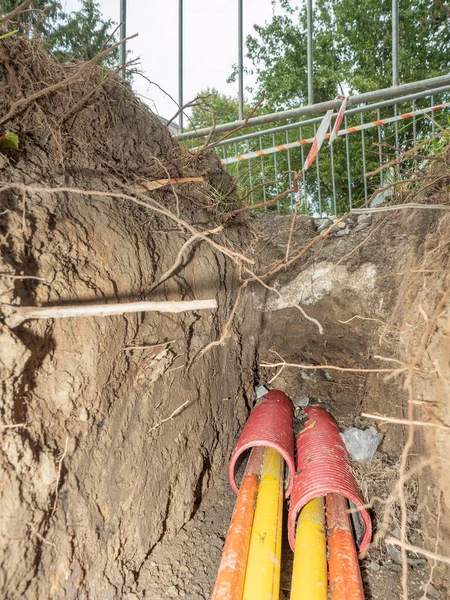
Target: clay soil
(116, 431)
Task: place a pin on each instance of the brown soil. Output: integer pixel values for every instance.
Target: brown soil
(104, 494)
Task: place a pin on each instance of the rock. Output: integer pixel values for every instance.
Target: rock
(431, 591)
(374, 566)
(325, 225)
(341, 224)
(362, 225)
(342, 232)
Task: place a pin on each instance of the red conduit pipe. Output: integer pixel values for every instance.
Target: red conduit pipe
(269, 424)
(322, 468)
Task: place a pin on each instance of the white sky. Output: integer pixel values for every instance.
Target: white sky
(210, 43)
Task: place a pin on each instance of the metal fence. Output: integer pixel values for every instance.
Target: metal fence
(375, 130)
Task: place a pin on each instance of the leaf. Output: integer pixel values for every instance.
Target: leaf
(9, 140)
(5, 35)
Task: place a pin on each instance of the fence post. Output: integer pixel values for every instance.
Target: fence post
(241, 59)
(123, 35)
(395, 61)
(309, 19)
(180, 62)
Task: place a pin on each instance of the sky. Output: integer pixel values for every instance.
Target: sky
(210, 44)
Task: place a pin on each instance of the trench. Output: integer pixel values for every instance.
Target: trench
(116, 431)
(186, 566)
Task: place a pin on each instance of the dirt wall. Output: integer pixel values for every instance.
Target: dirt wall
(94, 471)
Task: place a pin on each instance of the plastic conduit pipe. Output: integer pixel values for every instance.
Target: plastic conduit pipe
(269, 425)
(262, 578)
(309, 575)
(345, 575)
(230, 578)
(322, 469)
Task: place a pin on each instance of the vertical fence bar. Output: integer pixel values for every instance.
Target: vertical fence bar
(291, 199)
(414, 131)
(123, 35)
(349, 175)
(275, 167)
(263, 179)
(319, 190)
(432, 122)
(236, 154)
(309, 19)
(241, 59)
(395, 61)
(305, 195)
(333, 178)
(380, 150)
(180, 62)
(251, 181)
(396, 129)
(363, 151)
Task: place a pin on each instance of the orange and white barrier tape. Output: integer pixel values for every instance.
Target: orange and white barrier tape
(322, 132)
(305, 142)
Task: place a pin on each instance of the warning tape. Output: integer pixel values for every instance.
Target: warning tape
(305, 142)
(321, 133)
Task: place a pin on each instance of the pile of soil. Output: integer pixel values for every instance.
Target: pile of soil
(116, 431)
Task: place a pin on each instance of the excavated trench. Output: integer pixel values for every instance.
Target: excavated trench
(117, 430)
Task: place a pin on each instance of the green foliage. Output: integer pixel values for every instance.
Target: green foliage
(352, 48)
(5, 35)
(9, 140)
(41, 19)
(225, 109)
(83, 34)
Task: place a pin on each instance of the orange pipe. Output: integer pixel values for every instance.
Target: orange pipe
(230, 578)
(344, 572)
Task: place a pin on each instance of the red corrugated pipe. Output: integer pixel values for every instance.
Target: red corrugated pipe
(269, 424)
(322, 468)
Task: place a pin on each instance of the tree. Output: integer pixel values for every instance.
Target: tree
(40, 18)
(352, 48)
(225, 109)
(82, 34)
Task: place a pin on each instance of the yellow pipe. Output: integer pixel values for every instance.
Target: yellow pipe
(309, 578)
(262, 579)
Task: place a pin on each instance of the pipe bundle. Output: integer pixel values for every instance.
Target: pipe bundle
(322, 525)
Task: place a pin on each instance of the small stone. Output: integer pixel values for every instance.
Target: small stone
(342, 232)
(431, 591)
(325, 225)
(374, 566)
(83, 415)
(362, 226)
(341, 225)
(364, 217)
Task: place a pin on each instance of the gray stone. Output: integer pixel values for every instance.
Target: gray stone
(327, 223)
(374, 566)
(341, 225)
(342, 232)
(431, 591)
(364, 217)
(362, 225)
